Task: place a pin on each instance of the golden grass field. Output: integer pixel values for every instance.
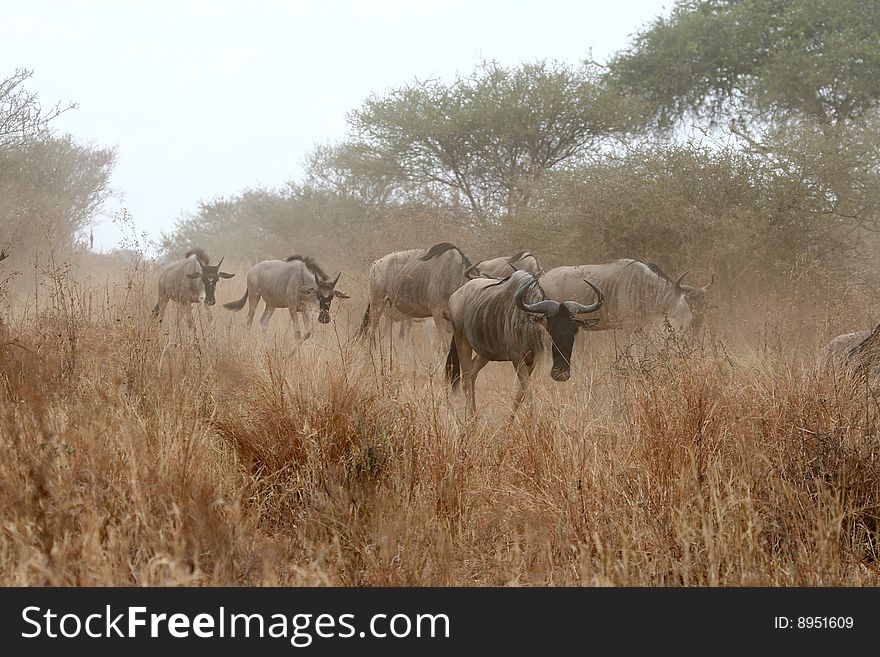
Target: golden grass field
(140, 454)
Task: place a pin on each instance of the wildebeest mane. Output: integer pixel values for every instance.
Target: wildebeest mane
(311, 264)
(199, 253)
(443, 247)
(655, 268)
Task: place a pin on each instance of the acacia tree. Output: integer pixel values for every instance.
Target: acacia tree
(355, 171)
(50, 190)
(50, 187)
(22, 117)
(796, 82)
(488, 138)
(756, 61)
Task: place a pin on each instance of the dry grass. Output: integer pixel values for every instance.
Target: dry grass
(135, 454)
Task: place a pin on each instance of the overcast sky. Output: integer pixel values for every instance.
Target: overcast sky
(206, 99)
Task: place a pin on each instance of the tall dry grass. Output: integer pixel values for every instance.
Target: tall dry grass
(139, 454)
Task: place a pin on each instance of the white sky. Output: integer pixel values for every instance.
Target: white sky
(208, 98)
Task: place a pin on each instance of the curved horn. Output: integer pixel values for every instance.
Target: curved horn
(681, 278)
(575, 307)
(709, 284)
(472, 272)
(221, 262)
(336, 280)
(545, 307)
(317, 280)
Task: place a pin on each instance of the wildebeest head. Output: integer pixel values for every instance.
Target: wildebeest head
(560, 321)
(210, 275)
(324, 291)
(695, 298)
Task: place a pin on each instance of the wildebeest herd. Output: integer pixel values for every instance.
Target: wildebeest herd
(501, 309)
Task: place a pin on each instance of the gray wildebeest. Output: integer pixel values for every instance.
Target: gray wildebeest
(294, 283)
(854, 352)
(413, 284)
(507, 320)
(188, 281)
(504, 266)
(638, 295)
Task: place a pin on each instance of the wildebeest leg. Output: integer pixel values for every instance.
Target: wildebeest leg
(264, 320)
(406, 339)
(463, 347)
(294, 320)
(477, 364)
(443, 330)
(189, 315)
(159, 310)
(377, 307)
(524, 376)
(469, 369)
(389, 331)
(442, 326)
(307, 325)
(253, 300)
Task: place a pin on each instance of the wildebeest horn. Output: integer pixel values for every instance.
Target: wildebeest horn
(336, 280)
(545, 307)
(221, 262)
(472, 272)
(317, 282)
(709, 284)
(681, 278)
(575, 307)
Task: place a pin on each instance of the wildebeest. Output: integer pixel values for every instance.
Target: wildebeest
(638, 294)
(506, 320)
(859, 349)
(413, 284)
(189, 281)
(293, 283)
(504, 266)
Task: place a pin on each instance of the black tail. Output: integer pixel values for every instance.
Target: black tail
(198, 253)
(453, 366)
(439, 249)
(237, 305)
(365, 324)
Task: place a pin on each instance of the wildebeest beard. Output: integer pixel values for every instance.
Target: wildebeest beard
(562, 328)
(325, 297)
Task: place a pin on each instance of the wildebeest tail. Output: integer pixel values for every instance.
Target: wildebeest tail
(198, 253)
(453, 366)
(237, 305)
(439, 249)
(365, 323)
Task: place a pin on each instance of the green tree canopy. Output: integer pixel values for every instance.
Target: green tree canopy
(748, 59)
(486, 139)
